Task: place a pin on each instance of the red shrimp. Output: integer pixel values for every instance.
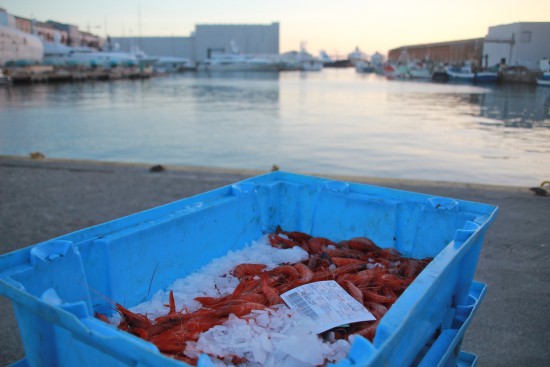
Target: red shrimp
(102, 317)
(246, 285)
(369, 332)
(363, 277)
(287, 272)
(410, 268)
(243, 270)
(254, 297)
(370, 296)
(272, 297)
(239, 308)
(323, 275)
(180, 317)
(133, 320)
(362, 244)
(201, 324)
(350, 268)
(342, 261)
(318, 244)
(394, 282)
(299, 237)
(172, 303)
(305, 273)
(353, 291)
(173, 340)
(344, 252)
(389, 254)
(343, 277)
(378, 310)
(281, 242)
(209, 301)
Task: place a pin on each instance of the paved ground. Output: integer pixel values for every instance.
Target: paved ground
(42, 199)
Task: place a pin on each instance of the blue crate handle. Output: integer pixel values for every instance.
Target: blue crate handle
(444, 350)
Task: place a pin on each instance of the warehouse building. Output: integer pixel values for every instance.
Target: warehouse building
(518, 44)
(453, 52)
(209, 38)
(155, 46)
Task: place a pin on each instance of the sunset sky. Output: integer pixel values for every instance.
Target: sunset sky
(335, 26)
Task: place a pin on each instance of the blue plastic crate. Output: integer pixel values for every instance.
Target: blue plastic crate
(116, 261)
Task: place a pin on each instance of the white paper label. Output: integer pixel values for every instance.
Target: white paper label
(327, 303)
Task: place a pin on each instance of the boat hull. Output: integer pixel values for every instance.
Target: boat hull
(473, 77)
(486, 77)
(238, 67)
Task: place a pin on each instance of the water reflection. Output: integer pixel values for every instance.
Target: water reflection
(519, 106)
(217, 93)
(235, 75)
(334, 122)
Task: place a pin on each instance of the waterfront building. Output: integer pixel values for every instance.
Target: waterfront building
(452, 52)
(165, 46)
(521, 44)
(249, 39)
(17, 46)
(518, 44)
(72, 36)
(207, 39)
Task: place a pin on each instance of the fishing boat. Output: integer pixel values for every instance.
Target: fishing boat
(4, 79)
(312, 65)
(419, 71)
(364, 66)
(300, 60)
(544, 78)
(468, 75)
(356, 55)
(329, 62)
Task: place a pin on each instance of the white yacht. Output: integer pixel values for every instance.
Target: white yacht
(236, 61)
(356, 56)
(300, 60)
(56, 53)
(4, 79)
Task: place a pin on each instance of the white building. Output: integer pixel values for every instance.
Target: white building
(249, 38)
(208, 39)
(517, 44)
(157, 46)
(17, 46)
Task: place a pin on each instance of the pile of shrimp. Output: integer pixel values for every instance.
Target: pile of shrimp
(373, 276)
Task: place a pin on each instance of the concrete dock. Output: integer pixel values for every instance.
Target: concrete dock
(43, 199)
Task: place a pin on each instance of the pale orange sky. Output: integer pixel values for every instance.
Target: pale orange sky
(335, 26)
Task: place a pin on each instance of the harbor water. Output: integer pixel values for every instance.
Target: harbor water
(335, 121)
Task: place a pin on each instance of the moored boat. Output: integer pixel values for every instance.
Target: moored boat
(364, 67)
(356, 56)
(486, 77)
(419, 71)
(312, 66)
(466, 74)
(4, 79)
(300, 60)
(237, 61)
(234, 62)
(544, 79)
